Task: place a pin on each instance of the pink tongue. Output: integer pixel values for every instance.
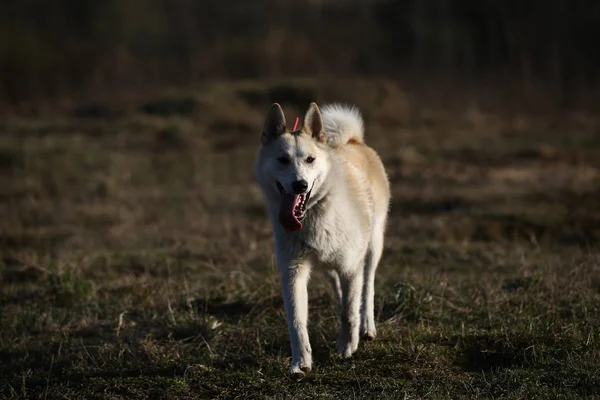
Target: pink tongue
(286, 213)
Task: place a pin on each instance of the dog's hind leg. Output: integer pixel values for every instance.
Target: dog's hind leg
(367, 324)
(348, 339)
(294, 282)
(336, 286)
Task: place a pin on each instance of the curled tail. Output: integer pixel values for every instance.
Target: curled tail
(343, 124)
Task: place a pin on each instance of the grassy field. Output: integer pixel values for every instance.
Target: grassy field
(136, 255)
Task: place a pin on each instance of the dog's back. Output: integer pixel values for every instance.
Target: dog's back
(345, 133)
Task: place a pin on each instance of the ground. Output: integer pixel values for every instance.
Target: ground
(137, 258)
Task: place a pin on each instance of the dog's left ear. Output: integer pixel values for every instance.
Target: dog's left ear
(313, 123)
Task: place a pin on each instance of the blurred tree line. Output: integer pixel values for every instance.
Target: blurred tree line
(63, 46)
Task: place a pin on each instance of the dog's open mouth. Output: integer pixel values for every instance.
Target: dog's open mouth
(292, 209)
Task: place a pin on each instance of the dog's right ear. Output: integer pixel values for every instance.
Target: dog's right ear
(275, 124)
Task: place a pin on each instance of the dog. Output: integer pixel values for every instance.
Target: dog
(327, 195)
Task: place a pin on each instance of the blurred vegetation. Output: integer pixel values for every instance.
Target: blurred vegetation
(65, 46)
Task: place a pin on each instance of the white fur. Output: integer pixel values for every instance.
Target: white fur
(342, 122)
(342, 231)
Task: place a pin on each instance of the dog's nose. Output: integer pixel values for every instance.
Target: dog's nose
(300, 186)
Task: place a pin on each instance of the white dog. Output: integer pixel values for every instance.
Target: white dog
(328, 196)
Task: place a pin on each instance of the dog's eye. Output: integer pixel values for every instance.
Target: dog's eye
(310, 160)
(283, 160)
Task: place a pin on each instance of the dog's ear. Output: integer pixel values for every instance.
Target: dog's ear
(274, 124)
(313, 123)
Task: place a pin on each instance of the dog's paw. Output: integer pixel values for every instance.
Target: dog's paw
(345, 349)
(299, 371)
(369, 335)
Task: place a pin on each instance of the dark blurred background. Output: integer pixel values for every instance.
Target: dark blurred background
(538, 48)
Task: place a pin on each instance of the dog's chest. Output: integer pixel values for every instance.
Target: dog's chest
(331, 241)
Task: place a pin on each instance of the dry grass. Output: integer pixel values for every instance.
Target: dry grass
(136, 257)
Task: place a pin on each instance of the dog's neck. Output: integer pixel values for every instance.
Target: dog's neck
(325, 191)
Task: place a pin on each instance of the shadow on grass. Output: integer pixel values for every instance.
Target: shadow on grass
(294, 95)
(492, 352)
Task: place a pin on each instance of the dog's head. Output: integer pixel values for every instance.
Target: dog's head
(292, 165)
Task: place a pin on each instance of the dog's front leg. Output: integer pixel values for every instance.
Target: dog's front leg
(294, 281)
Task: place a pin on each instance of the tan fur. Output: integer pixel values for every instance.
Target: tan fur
(368, 162)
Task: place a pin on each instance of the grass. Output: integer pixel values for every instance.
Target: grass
(136, 255)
